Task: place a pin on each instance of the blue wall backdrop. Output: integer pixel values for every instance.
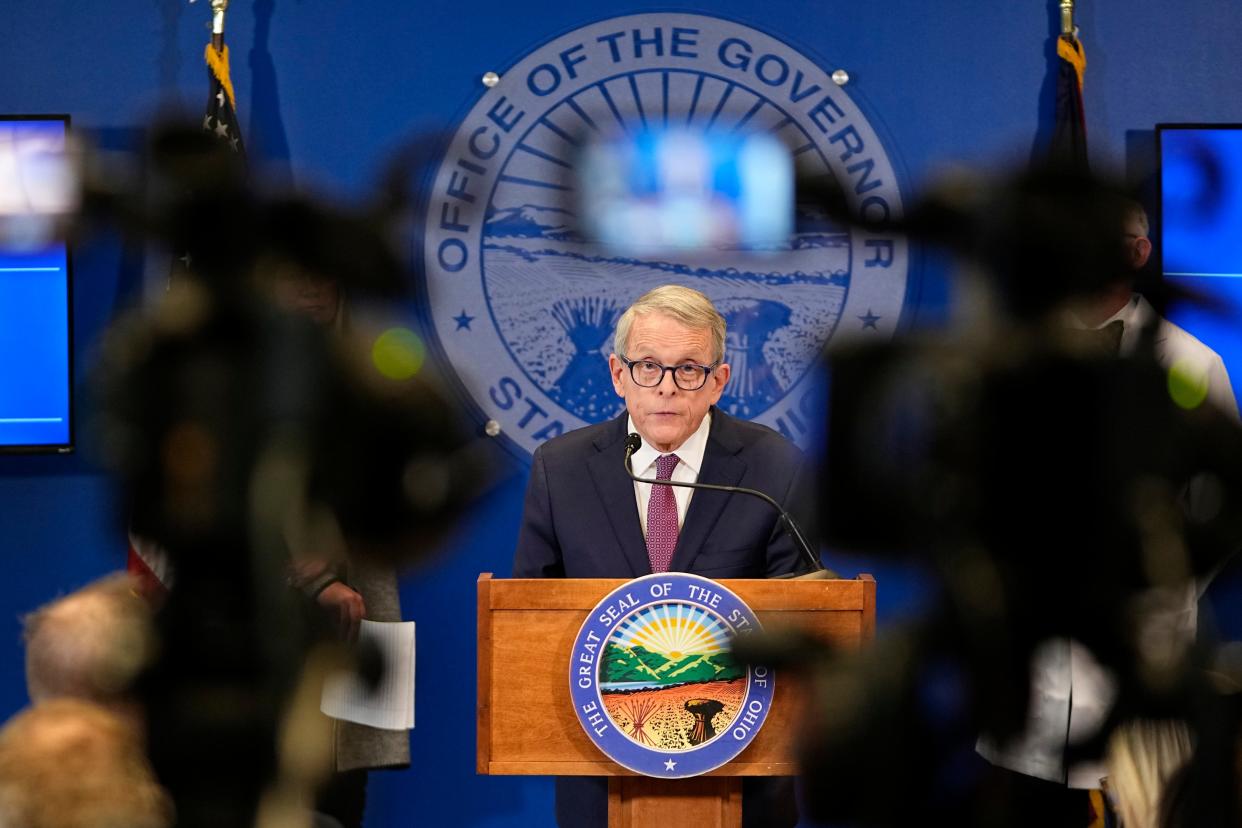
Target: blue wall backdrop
(327, 90)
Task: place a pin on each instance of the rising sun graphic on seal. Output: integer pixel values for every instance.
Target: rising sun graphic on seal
(653, 676)
(674, 630)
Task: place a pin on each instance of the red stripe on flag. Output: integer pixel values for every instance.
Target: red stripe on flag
(149, 564)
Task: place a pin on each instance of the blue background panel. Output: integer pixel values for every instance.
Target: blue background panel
(327, 91)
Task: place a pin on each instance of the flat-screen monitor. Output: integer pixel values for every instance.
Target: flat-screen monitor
(1200, 230)
(36, 330)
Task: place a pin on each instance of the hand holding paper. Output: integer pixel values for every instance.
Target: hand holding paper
(390, 705)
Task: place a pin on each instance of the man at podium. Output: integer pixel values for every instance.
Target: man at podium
(584, 517)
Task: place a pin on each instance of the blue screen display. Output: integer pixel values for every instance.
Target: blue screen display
(1201, 187)
(1201, 232)
(35, 343)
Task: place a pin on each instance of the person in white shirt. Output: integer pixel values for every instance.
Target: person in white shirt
(1071, 694)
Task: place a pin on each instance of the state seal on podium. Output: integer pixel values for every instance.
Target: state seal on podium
(653, 680)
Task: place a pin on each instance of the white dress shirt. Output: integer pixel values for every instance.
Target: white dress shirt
(1173, 345)
(690, 462)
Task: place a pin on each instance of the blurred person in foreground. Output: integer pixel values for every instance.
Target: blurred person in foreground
(585, 518)
(1071, 694)
(91, 644)
(67, 763)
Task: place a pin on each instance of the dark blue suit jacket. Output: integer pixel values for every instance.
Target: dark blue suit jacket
(581, 521)
(581, 517)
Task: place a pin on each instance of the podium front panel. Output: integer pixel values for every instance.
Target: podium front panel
(527, 627)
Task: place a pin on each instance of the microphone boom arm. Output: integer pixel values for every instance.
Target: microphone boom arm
(791, 527)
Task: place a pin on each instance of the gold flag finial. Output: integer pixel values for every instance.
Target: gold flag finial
(1067, 17)
(219, 7)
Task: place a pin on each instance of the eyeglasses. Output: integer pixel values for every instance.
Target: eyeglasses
(688, 376)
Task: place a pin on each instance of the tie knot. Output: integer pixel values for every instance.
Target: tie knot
(1102, 341)
(1111, 335)
(665, 464)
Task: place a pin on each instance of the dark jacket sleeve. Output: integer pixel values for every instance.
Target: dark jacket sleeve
(538, 553)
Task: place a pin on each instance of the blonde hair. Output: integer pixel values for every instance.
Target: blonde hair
(1142, 756)
(67, 763)
(686, 305)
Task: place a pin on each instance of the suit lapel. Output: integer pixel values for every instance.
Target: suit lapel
(721, 466)
(616, 493)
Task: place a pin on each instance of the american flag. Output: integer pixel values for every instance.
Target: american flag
(219, 120)
(147, 560)
(1069, 136)
(221, 116)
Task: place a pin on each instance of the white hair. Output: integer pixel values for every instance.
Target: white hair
(89, 644)
(686, 305)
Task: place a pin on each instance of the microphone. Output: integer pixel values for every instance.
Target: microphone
(817, 571)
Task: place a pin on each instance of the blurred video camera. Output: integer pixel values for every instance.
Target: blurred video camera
(1049, 486)
(270, 405)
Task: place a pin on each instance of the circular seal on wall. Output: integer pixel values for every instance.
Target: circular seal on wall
(524, 309)
(654, 684)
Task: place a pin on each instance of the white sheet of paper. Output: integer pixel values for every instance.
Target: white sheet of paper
(391, 705)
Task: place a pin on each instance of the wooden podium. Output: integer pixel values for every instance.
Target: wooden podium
(526, 720)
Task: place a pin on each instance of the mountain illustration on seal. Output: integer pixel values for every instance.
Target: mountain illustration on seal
(556, 298)
(530, 221)
(812, 227)
(638, 664)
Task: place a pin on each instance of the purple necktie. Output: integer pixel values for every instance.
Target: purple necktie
(662, 517)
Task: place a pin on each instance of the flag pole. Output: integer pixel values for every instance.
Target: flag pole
(218, 8)
(1067, 17)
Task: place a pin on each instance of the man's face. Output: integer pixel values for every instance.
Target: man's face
(666, 415)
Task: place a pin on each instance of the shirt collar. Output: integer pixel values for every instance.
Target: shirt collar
(690, 453)
(1126, 314)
